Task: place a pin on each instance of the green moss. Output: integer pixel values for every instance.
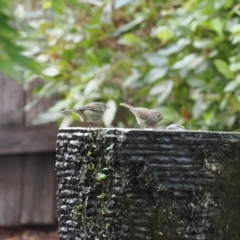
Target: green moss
(96, 180)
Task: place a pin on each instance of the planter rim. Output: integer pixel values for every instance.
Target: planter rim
(128, 130)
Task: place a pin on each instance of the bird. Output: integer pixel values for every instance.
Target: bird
(90, 113)
(146, 118)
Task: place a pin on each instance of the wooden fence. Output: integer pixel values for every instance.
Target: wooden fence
(27, 156)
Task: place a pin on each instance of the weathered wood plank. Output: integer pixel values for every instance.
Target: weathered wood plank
(10, 190)
(43, 104)
(11, 102)
(27, 140)
(38, 201)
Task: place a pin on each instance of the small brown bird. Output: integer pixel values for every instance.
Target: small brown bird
(90, 113)
(146, 118)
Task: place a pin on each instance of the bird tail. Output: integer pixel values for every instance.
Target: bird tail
(64, 111)
(126, 105)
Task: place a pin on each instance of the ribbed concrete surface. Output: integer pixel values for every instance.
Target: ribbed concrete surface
(138, 184)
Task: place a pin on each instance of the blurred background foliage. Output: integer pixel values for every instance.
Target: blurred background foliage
(181, 57)
(13, 61)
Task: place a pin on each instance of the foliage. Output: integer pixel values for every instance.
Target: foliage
(181, 57)
(12, 58)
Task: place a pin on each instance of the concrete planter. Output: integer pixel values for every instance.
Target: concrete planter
(144, 184)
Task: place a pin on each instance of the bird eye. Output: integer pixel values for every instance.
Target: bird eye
(158, 115)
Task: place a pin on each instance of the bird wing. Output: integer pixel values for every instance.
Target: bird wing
(91, 107)
(84, 108)
(138, 112)
(141, 113)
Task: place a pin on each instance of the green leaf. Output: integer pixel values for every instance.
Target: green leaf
(155, 74)
(202, 44)
(195, 82)
(228, 4)
(51, 71)
(61, 105)
(217, 25)
(209, 118)
(199, 108)
(121, 3)
(126, 27)
(68, 55)
(101, 210)
(185, 62)
(235, 29)
(235, 66)
(155, 59)
(8, 69)
(236, 38)
(128, 39)
(219, 3)
(110, 114)
(101, 176)
(104, 55)
(174, 48)
(163, 33)
(132, 80)
(223, 68)
(110, 147)
(170, 113)
(162, 90)
(58, 5)
(47, 5)
(47, 117)
(102, 195)
(230, 121)
(89, 153)
(233, 85)
(206, 162)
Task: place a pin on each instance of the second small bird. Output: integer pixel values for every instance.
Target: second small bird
(146, 118)
(91, 112)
